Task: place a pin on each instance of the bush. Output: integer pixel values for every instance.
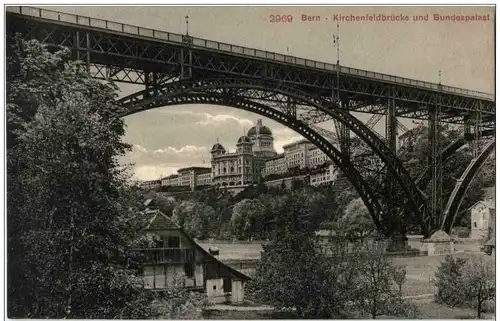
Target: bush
(478, 282)
(468, 283)
(448, 282)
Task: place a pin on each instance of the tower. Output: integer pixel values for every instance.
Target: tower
(262, 139)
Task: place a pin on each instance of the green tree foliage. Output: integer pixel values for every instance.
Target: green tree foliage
(319, 280)
(399, 276)
(160, 201)
(478, 282)
(374, 287)
(247, 218)
(448, 277)
(356, 221)
(289, 275)
(196, 218)
(179, 303)
(70, 215)
(466, 282)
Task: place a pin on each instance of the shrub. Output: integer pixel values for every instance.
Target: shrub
(478, 282)
(448, 282)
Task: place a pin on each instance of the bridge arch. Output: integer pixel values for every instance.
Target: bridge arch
(462, 185)
(359, 183)
(232, 92)
(424, 178)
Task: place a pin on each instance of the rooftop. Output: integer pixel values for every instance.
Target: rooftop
(298, 142)
(194, 168)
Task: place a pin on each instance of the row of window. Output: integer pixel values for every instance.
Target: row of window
(161, 271)
(265, 144)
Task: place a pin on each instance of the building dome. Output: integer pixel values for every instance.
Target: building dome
(244, 139)
(218, 147)
(259, 129)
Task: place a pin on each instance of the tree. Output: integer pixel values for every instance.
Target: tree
(399, 276)
(196, 218)
(478, 282)
(375, 293)
(70, 215)
(356, 221)
(323, 280)
(179, 303)
(165, 204)
(293, 273)
(448, 275)
(246, 219)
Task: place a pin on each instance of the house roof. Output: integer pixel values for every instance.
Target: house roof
(159, 221)
(171, 176)
(490, 203)
(194, 168)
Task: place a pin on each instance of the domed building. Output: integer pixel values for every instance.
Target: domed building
(244, 166)
(262, 139)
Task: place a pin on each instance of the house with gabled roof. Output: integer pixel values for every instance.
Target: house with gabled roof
(176, 256)
(482, 215)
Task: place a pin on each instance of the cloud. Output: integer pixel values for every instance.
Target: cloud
(151, 172)
(283, 136)
(188, 150)
(151, 164)
(208, 119)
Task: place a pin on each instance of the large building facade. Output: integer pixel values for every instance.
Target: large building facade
(255, 159)
(244, 166)
(191, 177)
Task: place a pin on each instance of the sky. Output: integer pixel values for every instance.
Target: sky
(166, 139)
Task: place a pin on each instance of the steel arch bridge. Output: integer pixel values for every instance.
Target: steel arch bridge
(298, 93)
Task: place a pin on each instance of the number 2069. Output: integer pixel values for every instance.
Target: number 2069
(280, 18)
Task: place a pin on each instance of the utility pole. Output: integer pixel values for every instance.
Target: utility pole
(336, 43)
(187, 25)
(342, 129)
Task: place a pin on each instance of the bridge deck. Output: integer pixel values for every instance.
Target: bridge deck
(58, 17)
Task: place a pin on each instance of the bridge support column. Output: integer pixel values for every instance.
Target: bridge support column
(87, 42)
(393, 222)
(345, 136)
(436, 167)
(473, 126)
(186, 58)
(85, 50)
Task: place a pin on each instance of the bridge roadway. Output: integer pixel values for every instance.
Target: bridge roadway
(134, 54)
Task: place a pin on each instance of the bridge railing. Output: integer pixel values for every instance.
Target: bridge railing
(251, 52)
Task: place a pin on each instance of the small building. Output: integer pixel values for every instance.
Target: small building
(175, 257)
(482, 215)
